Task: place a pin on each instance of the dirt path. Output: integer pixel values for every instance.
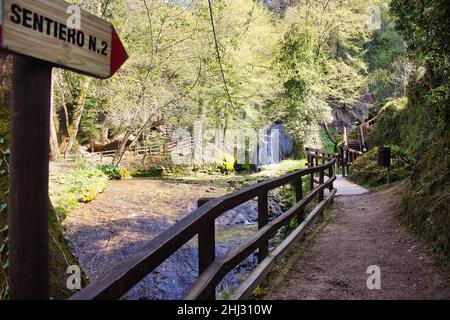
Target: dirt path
(362, 232)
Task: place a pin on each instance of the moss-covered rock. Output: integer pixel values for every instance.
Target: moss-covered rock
(387, 129)
(425, 202)
(365, 169)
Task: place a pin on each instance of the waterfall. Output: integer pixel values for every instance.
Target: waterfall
(274, 145)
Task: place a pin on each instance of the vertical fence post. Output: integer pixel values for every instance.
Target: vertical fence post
(299, 196)
(343, 160)
(263, 219)
(331, 175)
(206, 248)
(321, 180)
(317, 159)
(29, 169)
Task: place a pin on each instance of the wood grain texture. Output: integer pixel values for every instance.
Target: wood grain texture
(23, 40)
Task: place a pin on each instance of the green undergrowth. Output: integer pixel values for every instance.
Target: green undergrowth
(425, 201)
(281, 168)
(160, 171)
(113, 172)
(69, 188)
(366, 171)
(388, 128)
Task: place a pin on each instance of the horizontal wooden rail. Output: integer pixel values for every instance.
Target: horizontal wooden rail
(219, 269)
(259, 274)
(124, 276)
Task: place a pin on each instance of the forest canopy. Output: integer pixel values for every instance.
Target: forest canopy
(228, 63)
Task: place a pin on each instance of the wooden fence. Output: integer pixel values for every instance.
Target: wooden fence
(120, 279)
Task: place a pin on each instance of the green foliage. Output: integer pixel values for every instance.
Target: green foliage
(389, 125)
(298, 106)
(365, 169)
(224, 164)
(425, 203)
(68, 189)
(283, 167)
(425, 27)
(161, 170)
(112, 171)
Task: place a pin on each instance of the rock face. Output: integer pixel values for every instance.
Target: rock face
(247, 213)
(346, 115)
(275, 141)
(111, 145)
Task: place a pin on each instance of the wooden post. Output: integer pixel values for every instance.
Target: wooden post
(299, 196)
(206, 247)
(331, 175)
(263, 219)
(29, 165)
(321, 180)
(311, 183)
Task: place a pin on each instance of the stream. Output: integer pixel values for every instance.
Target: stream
(132, 212)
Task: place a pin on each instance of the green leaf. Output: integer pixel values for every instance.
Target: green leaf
(3, 206)
(5, 228)
(6, 265)
(6, 152)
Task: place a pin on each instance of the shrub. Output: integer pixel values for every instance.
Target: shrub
(112, 171)
(226, 164)
(160, 170)
(365, 170)
(68, 189)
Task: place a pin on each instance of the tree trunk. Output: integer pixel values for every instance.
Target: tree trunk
(54, 146)
(122, 148)
(77, 114)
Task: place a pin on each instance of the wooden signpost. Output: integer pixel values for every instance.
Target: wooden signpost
(40, 35)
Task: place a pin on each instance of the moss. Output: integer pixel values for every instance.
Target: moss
(365, 170)
(60, 258)
(389, 121)
(425, 202)
(79, 185)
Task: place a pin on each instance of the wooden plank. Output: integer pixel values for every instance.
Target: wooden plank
(263, 219)
(29, 165)
(299, 197)
(39, 29)
(222, 266)
(128, 273)
(321, 180)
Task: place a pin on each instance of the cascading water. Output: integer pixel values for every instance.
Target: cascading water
(274, 145)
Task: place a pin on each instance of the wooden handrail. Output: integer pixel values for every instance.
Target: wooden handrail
(217, 271)
(120, 279)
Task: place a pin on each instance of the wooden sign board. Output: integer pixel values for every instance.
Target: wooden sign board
(41, 29)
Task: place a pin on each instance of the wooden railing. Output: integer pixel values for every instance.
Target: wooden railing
(121, 278)
(344, 158)
(101, 156)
